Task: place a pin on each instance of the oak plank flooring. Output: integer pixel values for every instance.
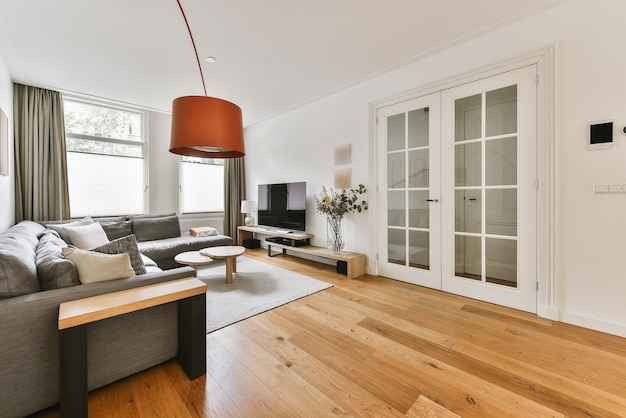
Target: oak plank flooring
(376, 347)
(425, 408)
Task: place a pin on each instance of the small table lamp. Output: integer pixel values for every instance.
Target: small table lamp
(248, 207)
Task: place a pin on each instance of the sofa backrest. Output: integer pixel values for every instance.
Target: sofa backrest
(53, 270)
(145, 227)
(18, 270)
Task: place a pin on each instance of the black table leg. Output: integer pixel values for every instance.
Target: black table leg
(269, 251)
(192, 335)
(73, 347)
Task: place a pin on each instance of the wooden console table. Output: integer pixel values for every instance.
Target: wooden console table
(75, 316)
(355, 262)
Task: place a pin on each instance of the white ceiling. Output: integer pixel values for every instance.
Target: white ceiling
(273, 55)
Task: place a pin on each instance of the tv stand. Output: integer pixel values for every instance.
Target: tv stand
(350, 264)
(246, 232)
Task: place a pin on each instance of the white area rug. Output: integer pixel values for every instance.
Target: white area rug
(257, 287)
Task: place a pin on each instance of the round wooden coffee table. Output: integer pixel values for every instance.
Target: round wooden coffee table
(193, 259)
(228, 253)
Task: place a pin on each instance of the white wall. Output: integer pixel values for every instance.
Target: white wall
(590, 276)
(7, 188)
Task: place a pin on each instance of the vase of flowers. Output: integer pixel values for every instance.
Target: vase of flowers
(335, 204)
(334, 235)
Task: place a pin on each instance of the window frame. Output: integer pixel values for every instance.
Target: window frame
(143, 144)
(182, 161)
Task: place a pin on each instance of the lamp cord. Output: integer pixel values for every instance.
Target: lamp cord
(194, 46)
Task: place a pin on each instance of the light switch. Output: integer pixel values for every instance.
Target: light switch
(615, 188)
(599, 188)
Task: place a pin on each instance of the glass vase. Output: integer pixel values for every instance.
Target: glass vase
(334, 236)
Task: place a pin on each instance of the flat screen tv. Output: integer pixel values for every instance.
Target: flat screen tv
(282, 206)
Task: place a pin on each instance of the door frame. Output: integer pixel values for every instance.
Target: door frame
(546, 131)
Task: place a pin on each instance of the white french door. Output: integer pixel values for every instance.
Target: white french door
(458, 206)
(489, 187)
(409, 188)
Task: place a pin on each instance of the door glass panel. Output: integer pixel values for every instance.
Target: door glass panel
(467, 213)
(501, 111)
(418, 168)
(497, 159)
(396, 208)
(501, 261)
(467, 256)
(467, 163)
(501, 162)
(396, 172)
(419, 253)
(468, 116)
(418, 128)
(501, 212)
(395, 132)
(419, 209)
(396, 245)
(408, 188)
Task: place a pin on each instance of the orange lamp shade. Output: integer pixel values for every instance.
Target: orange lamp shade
(206, 127)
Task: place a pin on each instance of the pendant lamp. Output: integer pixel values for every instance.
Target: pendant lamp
(203, 126)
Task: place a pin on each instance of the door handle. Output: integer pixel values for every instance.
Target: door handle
(432, 200)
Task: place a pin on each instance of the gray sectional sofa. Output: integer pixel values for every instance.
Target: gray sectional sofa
(35, 278)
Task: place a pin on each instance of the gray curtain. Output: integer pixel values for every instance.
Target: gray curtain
(41, 191)
(234, 193)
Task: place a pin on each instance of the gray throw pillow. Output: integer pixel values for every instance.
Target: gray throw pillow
(162, 227)
(128, 245)
(115, 230)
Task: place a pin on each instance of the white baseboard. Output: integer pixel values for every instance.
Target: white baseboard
(595, 324)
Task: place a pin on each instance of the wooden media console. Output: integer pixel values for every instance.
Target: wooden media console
(351, 264)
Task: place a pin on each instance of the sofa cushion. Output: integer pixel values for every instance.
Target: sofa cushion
(154, 228)
(87, 237)
(116, 229)
(98, 267)
(54, 270)
(60, 226)
(128, 245)
(18, 271)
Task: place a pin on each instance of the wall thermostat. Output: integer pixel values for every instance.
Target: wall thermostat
(601, 134)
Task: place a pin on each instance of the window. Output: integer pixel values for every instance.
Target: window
(105, 159)
(201, 185)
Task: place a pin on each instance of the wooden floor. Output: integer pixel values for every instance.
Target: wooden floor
(376, 347)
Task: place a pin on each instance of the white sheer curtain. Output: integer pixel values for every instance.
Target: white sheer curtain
(41, 191)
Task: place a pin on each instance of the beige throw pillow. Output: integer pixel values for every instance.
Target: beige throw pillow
(98, 267)
(87, 237)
